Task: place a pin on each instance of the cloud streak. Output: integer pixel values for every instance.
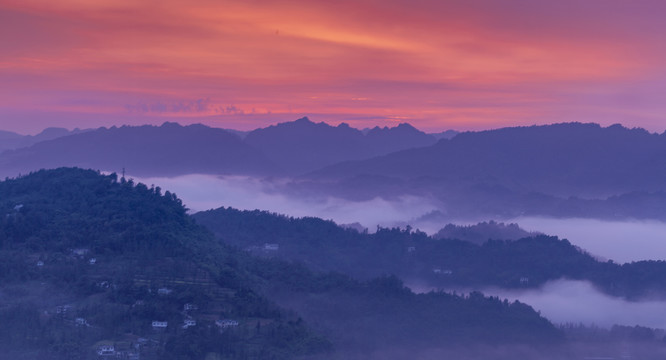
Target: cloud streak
(461, 64)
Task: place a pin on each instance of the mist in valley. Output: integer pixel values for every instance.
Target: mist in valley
(620, 241)
(562, 301)
(204, 192)
(578, 302)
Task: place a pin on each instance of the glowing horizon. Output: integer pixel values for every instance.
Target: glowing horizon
(461, 65)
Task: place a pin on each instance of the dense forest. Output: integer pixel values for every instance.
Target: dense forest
(89, 260)
(441, 262)
(94, 263)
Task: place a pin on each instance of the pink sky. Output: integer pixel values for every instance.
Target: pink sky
(467, 64)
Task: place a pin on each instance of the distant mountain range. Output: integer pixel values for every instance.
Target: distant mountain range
(285, 149)
(569, 169)
(166, 150)
(11, 140)
(302, 145)
(571, 159)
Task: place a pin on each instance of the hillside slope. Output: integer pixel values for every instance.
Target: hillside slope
(89, 261)
(527, 262)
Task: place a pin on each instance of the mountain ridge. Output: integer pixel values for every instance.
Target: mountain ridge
(302, 144)
(278, 150)
(568, 159)
(167, 150)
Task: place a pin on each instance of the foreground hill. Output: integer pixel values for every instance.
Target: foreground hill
(90, 262)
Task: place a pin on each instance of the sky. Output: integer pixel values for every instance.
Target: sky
(437, 64)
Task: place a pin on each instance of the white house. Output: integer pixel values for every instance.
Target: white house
(189, 322)
(106, 350)
(160, 324)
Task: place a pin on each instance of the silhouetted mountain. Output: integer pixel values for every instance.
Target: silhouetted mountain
(166, 150)
(482, 232)
(284, 149)
(448, 134)
(10, 140)
(300, 146)
(562, 160)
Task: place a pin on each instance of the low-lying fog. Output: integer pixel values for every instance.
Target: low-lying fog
(569, 301)
(204, 192)
(621, 241)
(562, 301)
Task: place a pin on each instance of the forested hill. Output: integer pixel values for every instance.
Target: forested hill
(444, 262)
(89, 261)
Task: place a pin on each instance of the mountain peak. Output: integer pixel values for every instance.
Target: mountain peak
(344, 125)
(402, 128)
(171, 125)
(405, 126)
(53, 132)
(303, 120)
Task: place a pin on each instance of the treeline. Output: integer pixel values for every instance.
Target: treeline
(442, 262)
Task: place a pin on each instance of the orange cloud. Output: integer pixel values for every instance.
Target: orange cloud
(438, 64)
